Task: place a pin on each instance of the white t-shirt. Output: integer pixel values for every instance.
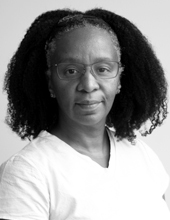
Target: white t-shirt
(49, 180)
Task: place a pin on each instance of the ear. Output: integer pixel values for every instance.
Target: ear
(119, 85)
(118, 89)
(50, 87)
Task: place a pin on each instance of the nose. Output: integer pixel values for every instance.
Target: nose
(88, 83)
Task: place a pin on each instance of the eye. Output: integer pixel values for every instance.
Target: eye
(102, 68)
(71, 71)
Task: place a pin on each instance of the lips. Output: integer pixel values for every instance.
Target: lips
(88, 104)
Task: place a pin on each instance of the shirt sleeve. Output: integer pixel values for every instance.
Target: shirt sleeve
(23, 192)
(156, 168)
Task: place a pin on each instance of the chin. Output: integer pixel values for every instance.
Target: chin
(91, 120)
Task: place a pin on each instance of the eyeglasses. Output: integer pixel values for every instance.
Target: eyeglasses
(103, 70)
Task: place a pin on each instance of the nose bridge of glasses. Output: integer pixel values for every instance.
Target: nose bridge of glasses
(89, 68)
(88, 79)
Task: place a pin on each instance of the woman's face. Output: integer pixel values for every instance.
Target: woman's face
(86, 100)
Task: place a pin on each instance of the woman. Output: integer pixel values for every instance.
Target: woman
(80, 85)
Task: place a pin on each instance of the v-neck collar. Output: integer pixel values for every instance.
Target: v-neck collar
(83, 156)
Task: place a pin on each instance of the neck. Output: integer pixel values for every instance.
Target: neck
(89, 139)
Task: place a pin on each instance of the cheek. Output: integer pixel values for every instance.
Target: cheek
(64, 93)
(111, 91)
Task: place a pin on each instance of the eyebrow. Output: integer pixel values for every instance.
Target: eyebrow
(77, 60)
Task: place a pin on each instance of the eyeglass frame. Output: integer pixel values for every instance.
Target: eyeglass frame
(91, 70)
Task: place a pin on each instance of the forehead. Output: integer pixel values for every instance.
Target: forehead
(86, 43)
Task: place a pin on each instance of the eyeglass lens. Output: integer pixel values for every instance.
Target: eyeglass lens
(75, 70)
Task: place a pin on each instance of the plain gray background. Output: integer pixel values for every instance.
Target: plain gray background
(151, 16)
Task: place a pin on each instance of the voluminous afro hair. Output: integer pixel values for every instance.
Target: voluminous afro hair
(143, 93)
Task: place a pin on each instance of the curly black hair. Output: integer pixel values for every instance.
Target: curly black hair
(144, 87)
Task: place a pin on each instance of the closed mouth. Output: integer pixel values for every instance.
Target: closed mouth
(88, 104)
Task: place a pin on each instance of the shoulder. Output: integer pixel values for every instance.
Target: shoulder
(141, 160)
(35, 157)
(138, 147)
(33, 165)
(23, 179)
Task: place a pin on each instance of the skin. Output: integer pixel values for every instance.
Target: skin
(84, 102)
